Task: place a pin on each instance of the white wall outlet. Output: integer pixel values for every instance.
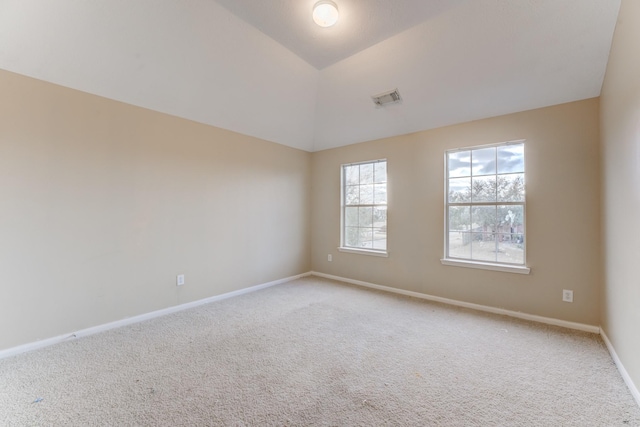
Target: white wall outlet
(180, 280)
(567, 295)
(329, 258)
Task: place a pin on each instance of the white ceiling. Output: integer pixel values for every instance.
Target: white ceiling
(362, 24)
(262, 68)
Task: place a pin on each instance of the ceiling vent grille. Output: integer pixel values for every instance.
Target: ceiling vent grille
(392, 97)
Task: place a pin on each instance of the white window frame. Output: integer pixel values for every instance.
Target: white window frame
(485, 265)
(343, 205)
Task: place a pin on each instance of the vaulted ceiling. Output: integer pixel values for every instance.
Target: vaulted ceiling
(263, 68)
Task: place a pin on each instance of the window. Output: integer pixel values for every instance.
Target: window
(485, 206)
(364, 207)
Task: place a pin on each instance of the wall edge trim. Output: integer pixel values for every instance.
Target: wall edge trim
(517, 314)
(12, 351)
(623, 372)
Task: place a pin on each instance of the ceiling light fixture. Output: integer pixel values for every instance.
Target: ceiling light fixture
(325, 13)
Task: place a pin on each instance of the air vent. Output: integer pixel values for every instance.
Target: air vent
(392, 97)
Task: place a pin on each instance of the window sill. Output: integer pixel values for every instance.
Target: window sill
(486, 266)
(364, 252)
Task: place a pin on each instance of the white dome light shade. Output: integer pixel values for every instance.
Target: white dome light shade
(325, 13)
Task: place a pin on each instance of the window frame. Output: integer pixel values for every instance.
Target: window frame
(482, 264)
(343, 206)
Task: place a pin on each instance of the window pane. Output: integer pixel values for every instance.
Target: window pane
(366, 194)
(365, 238)
(380, 217)
(511, 248)
(484, 161)
(459, 164)
(352, 175)
(365, 217)
(352, 195)
(460, 245)
(459, 218)
(484, 219)
(351, 217)
(511, 158)
(380, 238)
(511, 188)
(351, 236)
(483, 247)
(380, 245)
(380, 194)
(459, 190)
(380, 172)
(511, 219)
(366, 174)
(483, 189)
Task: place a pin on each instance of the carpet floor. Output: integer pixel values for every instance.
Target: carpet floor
(315, 352)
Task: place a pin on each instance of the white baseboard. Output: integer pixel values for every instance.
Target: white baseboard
(625, 375)
(140, 318)
(136, 319)
(517, 314)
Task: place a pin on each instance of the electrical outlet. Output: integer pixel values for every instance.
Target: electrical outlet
(567, 295)
(329, 258)
(180, 280)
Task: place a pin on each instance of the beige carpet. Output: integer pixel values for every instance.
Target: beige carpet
(317, 352)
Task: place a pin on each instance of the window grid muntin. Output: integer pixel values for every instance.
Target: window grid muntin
(381, 183)
(497, 204)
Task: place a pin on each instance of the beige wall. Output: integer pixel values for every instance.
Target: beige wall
(620, 121)
(102, 204)
(563, 220)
